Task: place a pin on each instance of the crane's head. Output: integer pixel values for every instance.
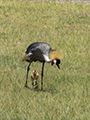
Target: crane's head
(34, 72)
(57, 62)
(54, 55)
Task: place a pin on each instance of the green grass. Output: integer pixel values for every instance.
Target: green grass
(66, 27)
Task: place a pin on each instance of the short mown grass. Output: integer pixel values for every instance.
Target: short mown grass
(66, 94)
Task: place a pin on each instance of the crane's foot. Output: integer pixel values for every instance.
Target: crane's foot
(32, 83)
(25, 84)
(36, 87)
(35, 83)
(41, 89)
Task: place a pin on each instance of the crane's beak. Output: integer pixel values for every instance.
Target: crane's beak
(24, 56)
(57, 63)
(58, 66)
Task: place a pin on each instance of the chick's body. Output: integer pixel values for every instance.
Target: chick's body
(34, 77)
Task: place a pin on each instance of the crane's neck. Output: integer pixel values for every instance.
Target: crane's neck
(53, 55)
(47, 59)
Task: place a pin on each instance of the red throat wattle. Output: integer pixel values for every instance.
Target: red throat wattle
(52, 63)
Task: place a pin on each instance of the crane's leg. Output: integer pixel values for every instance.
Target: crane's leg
(28, 68)
(42, 75)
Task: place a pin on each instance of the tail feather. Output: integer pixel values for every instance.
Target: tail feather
(24, 56)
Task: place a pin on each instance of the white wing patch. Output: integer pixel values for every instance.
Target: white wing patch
(28, 54)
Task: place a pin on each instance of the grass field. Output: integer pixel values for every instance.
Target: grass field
(66, 94)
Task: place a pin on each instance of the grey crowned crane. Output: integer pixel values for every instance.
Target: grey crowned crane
(40, 51)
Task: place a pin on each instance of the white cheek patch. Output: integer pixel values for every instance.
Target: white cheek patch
(54, 61)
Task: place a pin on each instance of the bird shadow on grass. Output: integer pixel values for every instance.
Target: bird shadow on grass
(39, 90)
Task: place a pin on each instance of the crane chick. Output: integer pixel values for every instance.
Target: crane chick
(34, 77)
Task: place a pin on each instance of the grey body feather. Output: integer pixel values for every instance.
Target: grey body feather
(38, 50)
